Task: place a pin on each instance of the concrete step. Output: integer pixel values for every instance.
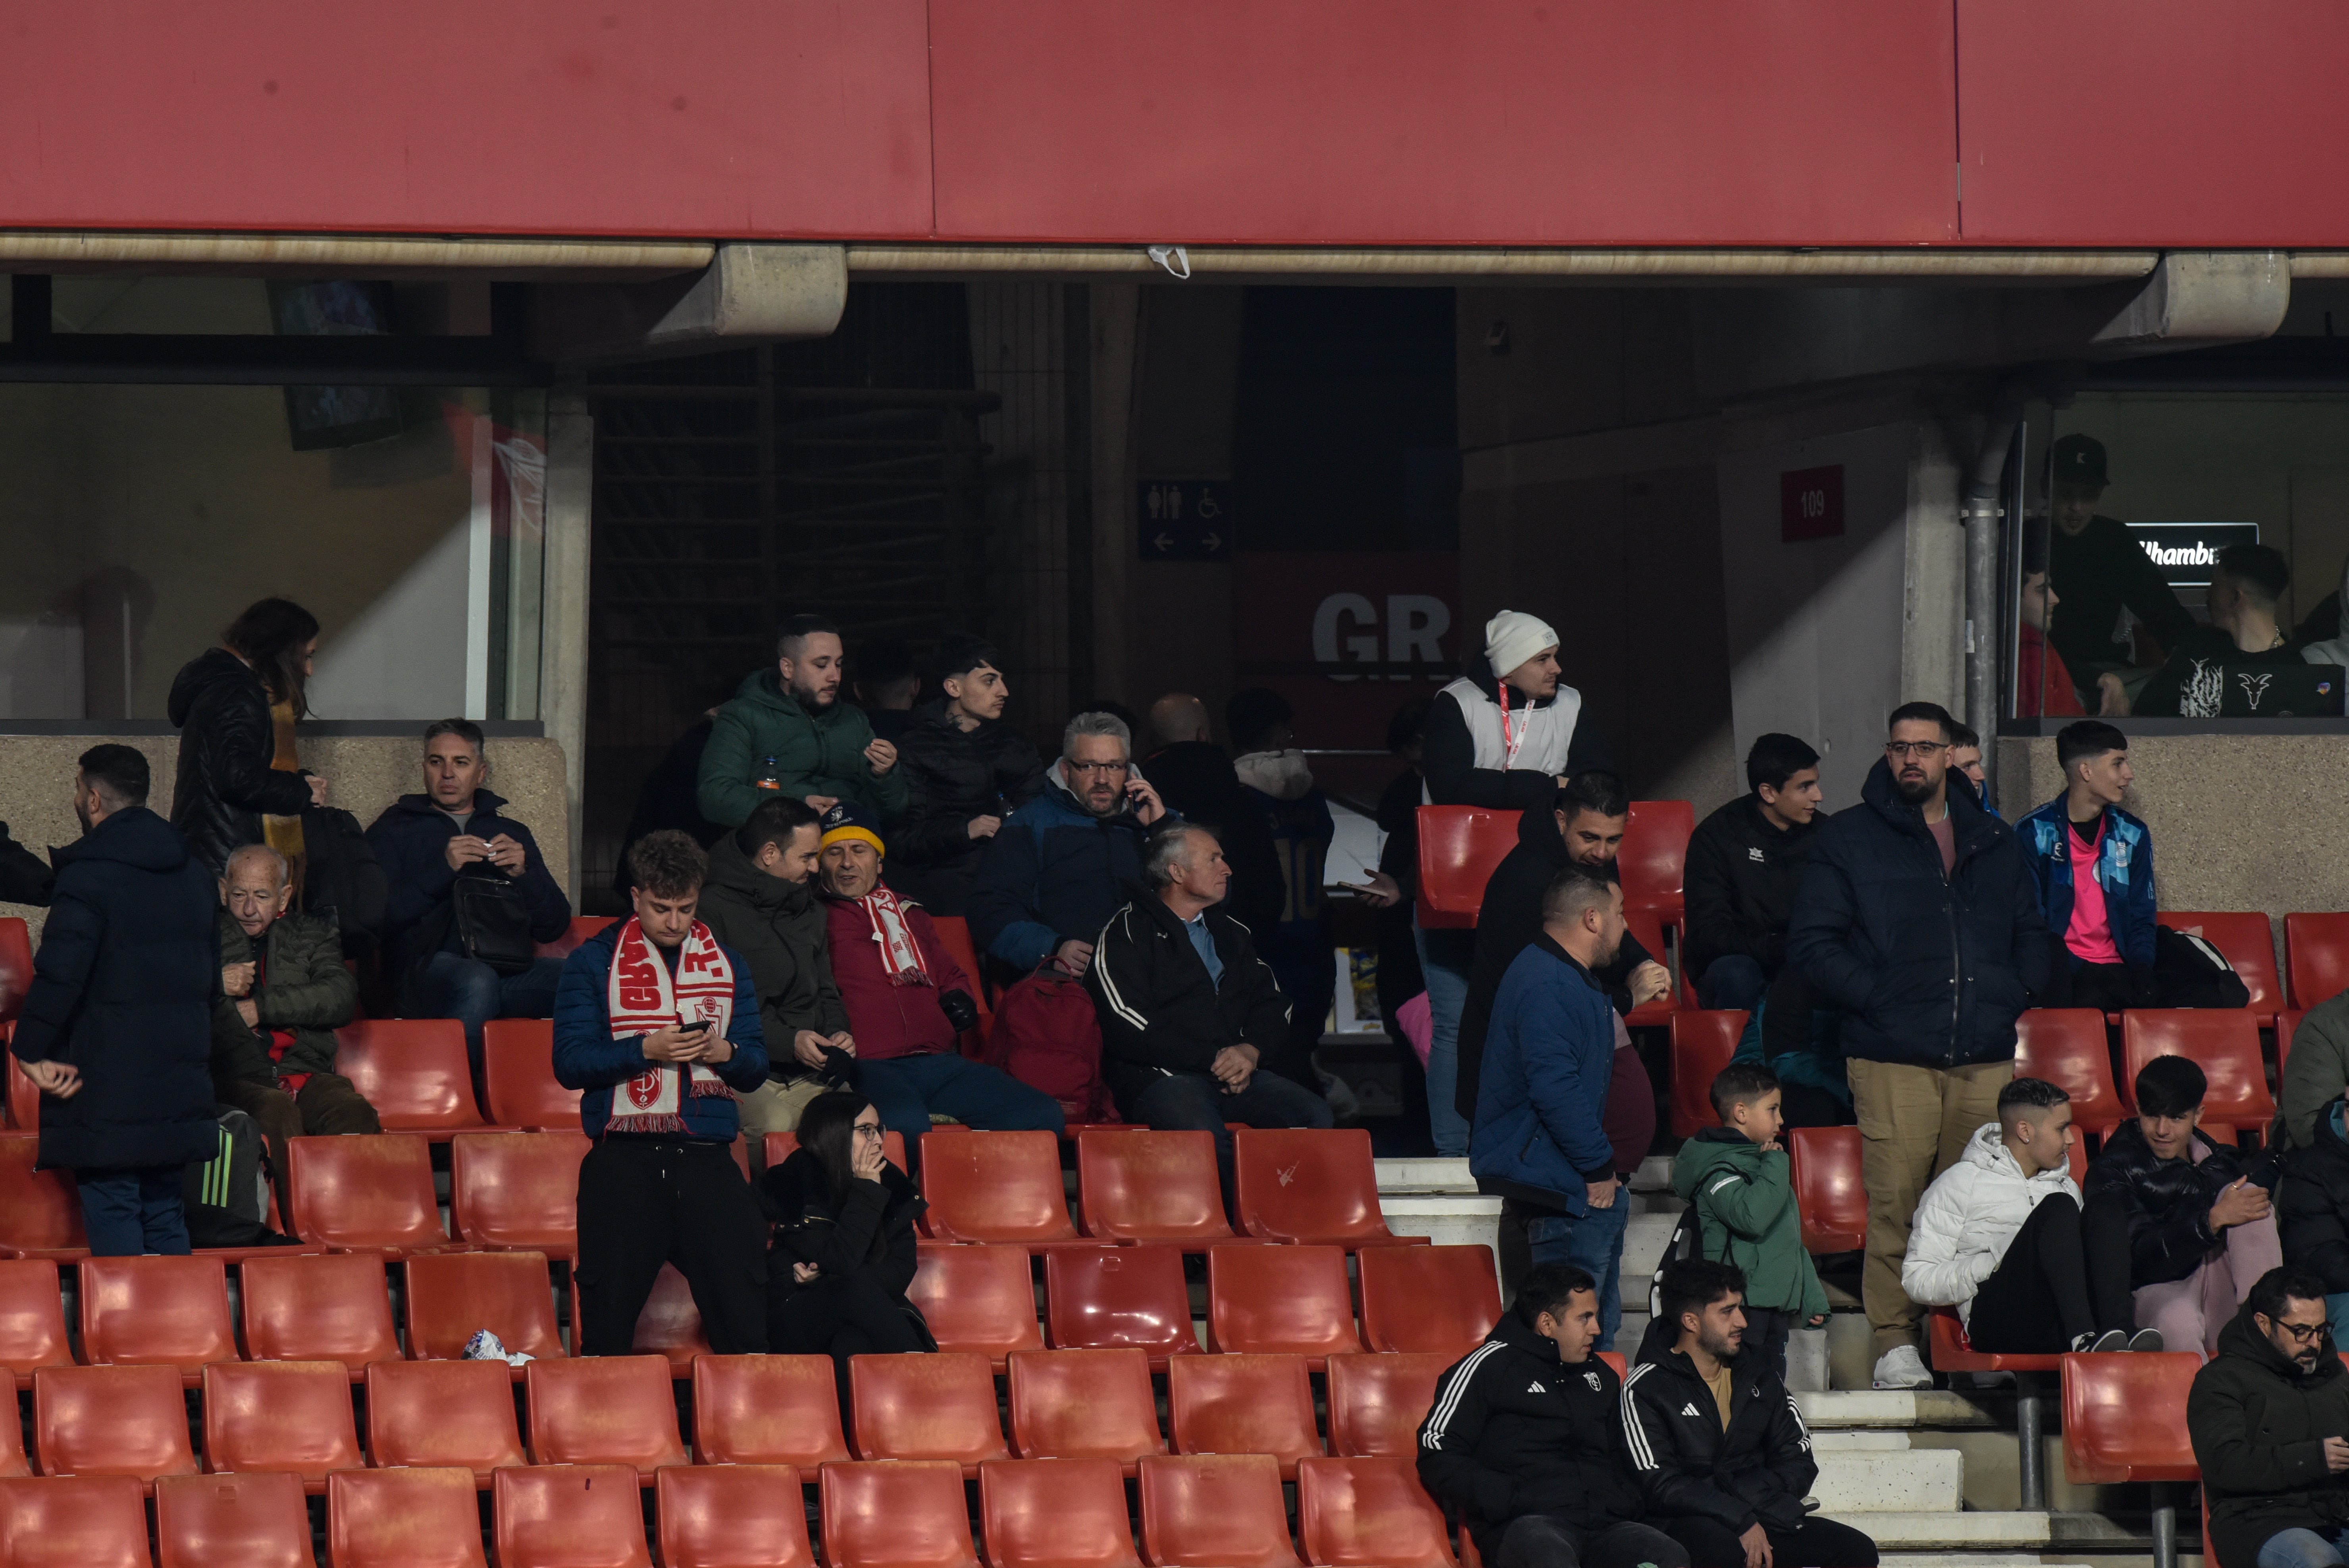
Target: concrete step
(1445, 1219)
(1968, 1560)
(1954, 1532)
(1654, 1174)
(1909, 1480)
(1845, 1410)
(1643, 1250)
(1428, 1175)
(1858, 1439)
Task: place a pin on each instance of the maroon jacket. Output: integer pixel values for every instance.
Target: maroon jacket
(892, 1021)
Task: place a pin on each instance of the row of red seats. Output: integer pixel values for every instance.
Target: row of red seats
(1033, 1513)
(1459, 846)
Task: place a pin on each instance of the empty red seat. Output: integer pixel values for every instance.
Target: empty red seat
(1653, 857)
(937, 1406)
(980, 1299)
(581, 928)
(1458, 848)
(1110, 1297)
(1235, 1403)
(517, 1191)
(1828, 1193)
(1368, 1513)
(2065, 1045)
(604, 1410)
(2249, 944)
(14, 1461)
(730, 1516)
(40, 1211)
(767, 1410)
(1429, 1298)
(32, 1319)
(1703, 1042)
(904, 1515)
(995, 1187)
(2317, 956)
(569, 1516)
(1143, 1186)
(313, 1307)
(2224, 1044)
(1376, 1402)
(409, 1518)
(1282, 1299)
(450, 1295)
(518, 1076)
(1215, 1511)
(112, 1420)
(76, 1521)
(1309, 1184)
(255, 1521)
(669, 1324)
(156, 1311)
(293, 1417)
(1054, 1513)
(414, 1071)
(2125, 1417)
(365, 1192)
(1084, 1405)
(442, 1413)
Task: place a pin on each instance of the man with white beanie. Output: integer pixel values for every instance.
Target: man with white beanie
(1509, 740)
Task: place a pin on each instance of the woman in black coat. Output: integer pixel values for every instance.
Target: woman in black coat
(843, 1253)
(236, 764)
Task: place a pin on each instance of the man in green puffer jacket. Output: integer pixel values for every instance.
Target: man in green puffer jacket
(2317, 1071)
(788, 731)
(1743, 1189)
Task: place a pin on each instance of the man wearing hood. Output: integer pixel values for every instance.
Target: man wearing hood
(788, 731)
(965, 770)
(1277, 787)
(2270, 1420)
(1917, 919)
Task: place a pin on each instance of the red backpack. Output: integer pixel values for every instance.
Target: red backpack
(1047, 1037)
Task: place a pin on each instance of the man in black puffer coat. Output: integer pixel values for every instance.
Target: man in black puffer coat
(966, 771)
(2312, 1210)
(116, 1025)
(2270, 1420)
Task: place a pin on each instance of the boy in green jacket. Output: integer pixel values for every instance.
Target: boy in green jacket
(1738, 1176)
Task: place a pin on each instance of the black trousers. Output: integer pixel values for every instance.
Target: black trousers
(2111, 988)
(1816, 1542)
(840, 1319)
(2043, 1293)
(1766, 1330)
(646, 1201)
(1551, 1540)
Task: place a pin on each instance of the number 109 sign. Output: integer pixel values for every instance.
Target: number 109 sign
(1810, 503)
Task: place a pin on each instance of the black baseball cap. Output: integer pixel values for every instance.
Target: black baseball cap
(2079, 460)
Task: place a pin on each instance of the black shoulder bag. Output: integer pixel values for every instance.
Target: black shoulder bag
(493, 922)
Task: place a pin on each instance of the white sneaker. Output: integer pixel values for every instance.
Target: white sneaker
(1901, 1368)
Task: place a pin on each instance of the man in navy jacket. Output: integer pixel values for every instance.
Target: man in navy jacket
(2104, 930)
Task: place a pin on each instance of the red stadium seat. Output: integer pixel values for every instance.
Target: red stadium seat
(954, 935)
(1828, 1190)
(2249, 944)
(569, 1516)
(906, 1515)
(1376, 1402)
(937, 1406)
(80, 1522)
(2065, 1045)
(1110, 1297)
(2287, 1025)
(980, 1299)
(414, 1071)
(731, 1516)
(1215, 1511)
(1654, 853)
(1280, 1299)
(366, 1192)
(1303, 1184)
(1143, 1186)
(1458, 848)
(1235, 1403)
(1083, 1405)
(16, 966)
(1948, 1350)
(14, 1461)
(995, 1187)
(517, 1191)
(408, 1517)
(289, 1416)
(582, 927)
(1368, 1513)
(438, 1413)
(2317, 956)
(40, 1211)
(1703, 1042)
(255, 1521)
(156, 1311)
(782, 1410)
(450, 1295)
(2225, 1044)
(1055, 1513)
(518, 1076)
(778, 1147)
(2125, 1420)
(1647, 928)
(112, 1420)
(24, 1099)
(32, 1319)
(306, 1307)
(1429, 1298)
(604, 1410)
(669, 1324)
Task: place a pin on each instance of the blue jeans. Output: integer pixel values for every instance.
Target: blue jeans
(127, 1213)
(455, 987)
(1732, 983)
(1447, 996)
(905, 1090)
(1593, 1243)
(2303, 1549)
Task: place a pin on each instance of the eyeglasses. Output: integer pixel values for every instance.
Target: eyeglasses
(1101, 766)
(866, 1128)
(1920, 749)
(2301, 1333)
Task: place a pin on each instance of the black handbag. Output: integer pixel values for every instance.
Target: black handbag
(492, 921)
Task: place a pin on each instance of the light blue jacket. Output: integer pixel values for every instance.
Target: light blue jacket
(2123, 870)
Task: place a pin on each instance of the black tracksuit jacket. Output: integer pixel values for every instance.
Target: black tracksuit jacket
(1758, 1471)
(1160, 1013)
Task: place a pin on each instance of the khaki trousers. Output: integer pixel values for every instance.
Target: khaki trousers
(773, 1107)
(1914, 1124)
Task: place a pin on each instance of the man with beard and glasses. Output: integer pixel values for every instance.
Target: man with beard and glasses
(2270, 1420)
(1917, 919)
(787, 731)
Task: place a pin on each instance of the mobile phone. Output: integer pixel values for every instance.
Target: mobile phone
(1356, 887)
(698, 1026)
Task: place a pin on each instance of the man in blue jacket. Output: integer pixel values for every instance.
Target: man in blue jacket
(1549, 1051)
(658, 1023)
(2092, 863)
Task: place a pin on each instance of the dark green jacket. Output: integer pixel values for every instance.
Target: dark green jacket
(304, 987)
(1746, 1196)
(778, 927)
(2259, 1425)
(820, 753)
(2319, 1067)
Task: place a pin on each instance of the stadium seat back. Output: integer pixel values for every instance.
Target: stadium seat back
(1376, 1402)
(2125, 1417)
(767, 1410)
(156, 1311)
(1428, 1298)
(980, 1299)
(954, 935)
(1828, 1193)
(450, 1295)
(1145, 1186)
(1215, 1511)
(1275, 1299)
(1309, 1184)
(937, 1406)
(1109, 1297)
(518, 1076)
(581, 928)
(111, 1421)
(2287, 1025)
(364, 1191)
(1702, 1042)
(1242, 1404)
(517, 1190)
(14, 1460)
(568, 1516)
(443, 1413)
(291, 1417)
(73, 1521)
(731, 1516)
(1654, 856)
(895, 1515)
(1646, 927)
(32, 1318)
(243, 1520)
(2316, 953)
(604, 1410)
(1055, 1513)
(40, 1211)
(16, 966)
(24, 1105)
(1368, 1513)
(2224, 1043)
(417, 1517)
(2065, 1045)
(1083, 1405)
(2249, 944)
(318, 1307)
(414, 1071)
(995, 1187)
(670, 1323)
(1459, 846)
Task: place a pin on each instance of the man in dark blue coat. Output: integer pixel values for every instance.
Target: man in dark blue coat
(116, 1025)
(1918, 919)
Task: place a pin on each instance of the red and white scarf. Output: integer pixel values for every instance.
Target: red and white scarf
(901, 956)
(642, 998)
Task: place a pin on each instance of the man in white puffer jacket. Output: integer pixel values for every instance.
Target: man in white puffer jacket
(1997, 1236)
